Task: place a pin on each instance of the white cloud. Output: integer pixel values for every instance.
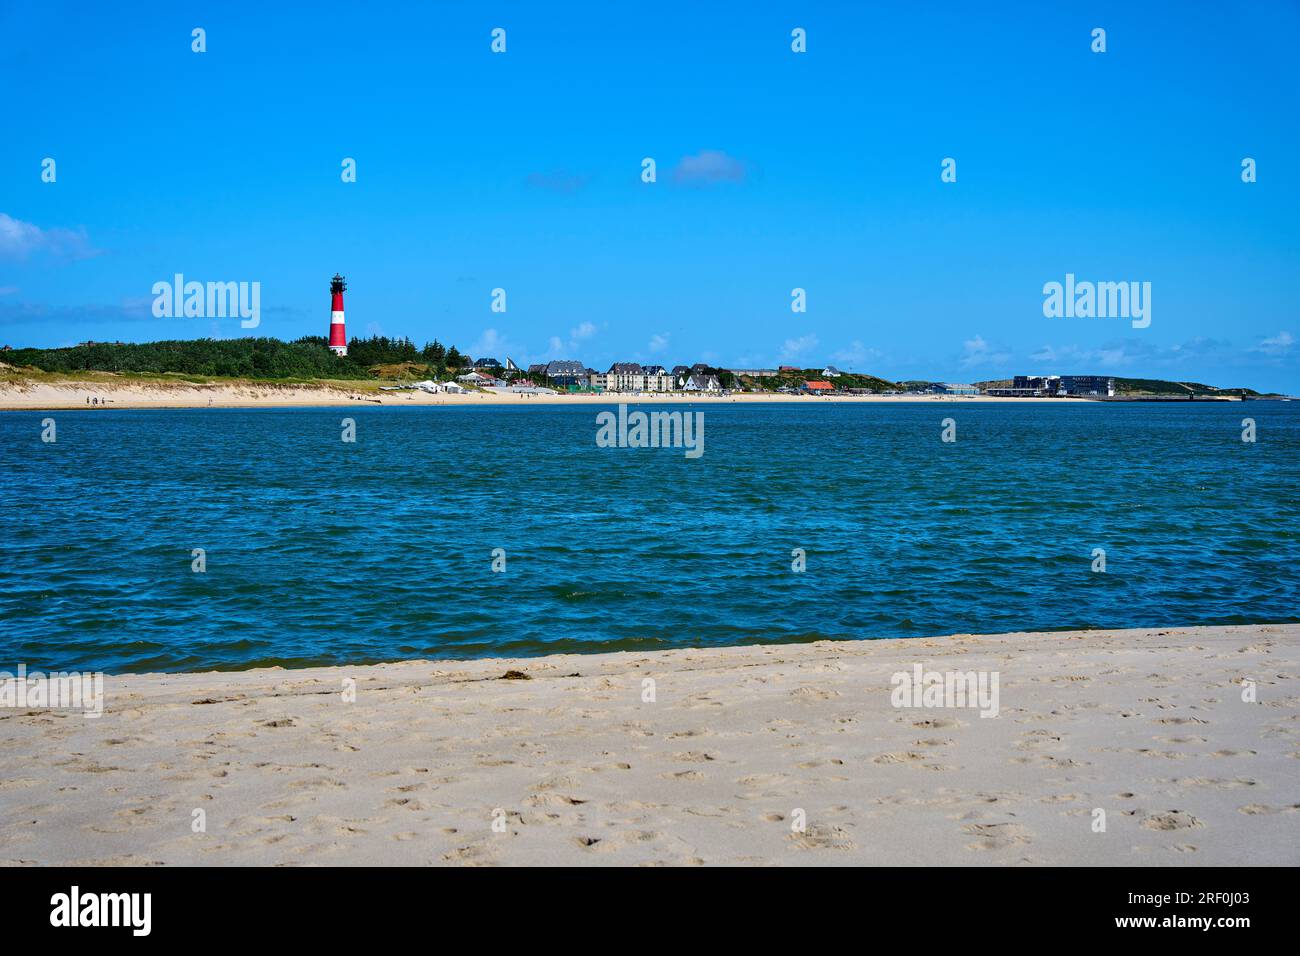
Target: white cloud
(1073, 355)
(1142, 354)
(658, 343)
(488, 344)
(793, 348)
(707, 167)
(856, 355)
(583, 332)
(20, 239)
(976, 352)
(1277, 345)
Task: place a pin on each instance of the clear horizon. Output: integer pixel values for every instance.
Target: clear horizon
(776, 170)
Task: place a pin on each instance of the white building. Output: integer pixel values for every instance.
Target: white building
(631, 377)
(702, 383)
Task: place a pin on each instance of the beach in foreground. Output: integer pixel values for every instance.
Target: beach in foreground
(715, 762)
(40, 395)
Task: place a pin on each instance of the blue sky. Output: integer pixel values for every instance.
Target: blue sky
(776, 170)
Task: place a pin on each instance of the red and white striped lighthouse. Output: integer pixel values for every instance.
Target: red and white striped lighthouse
(338, 334)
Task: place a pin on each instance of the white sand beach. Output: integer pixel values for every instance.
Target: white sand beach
(73, 394)
(579, 767)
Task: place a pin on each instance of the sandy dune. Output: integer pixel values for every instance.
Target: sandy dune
(1149, 726)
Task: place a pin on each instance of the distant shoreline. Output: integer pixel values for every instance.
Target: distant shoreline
(91, 394)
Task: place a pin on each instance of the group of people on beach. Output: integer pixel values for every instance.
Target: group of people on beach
(92, 400)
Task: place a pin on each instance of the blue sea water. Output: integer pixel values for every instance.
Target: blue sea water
(320, 551)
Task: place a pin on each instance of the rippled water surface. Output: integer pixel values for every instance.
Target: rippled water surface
(320, 551)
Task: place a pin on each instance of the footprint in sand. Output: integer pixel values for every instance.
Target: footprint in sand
(1258, 809)
(937, 723)
(682, 775)
(820, 836)
(475, 854)
(693, 756)
(547, 799)
(809, 692)
(1218, 783)
(996, 836)
(1172, 820)
(910, 758)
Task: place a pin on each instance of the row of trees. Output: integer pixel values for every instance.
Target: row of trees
(308, 358)
(262, 358)
(381, 350)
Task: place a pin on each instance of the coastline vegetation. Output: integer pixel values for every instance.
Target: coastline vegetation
(262, 359)
(379, 358)
(1151, 386)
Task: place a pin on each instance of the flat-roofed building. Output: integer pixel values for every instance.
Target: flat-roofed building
(950, 388)
(1057, 386)
(1088, 385)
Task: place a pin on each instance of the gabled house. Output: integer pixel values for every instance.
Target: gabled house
(567, 372)
(702, 383)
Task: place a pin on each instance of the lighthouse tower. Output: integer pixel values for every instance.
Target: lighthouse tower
(338, 334)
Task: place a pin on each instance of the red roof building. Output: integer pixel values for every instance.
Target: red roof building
(819, 386)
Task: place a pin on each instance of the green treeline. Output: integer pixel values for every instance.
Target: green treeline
(241, 358)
